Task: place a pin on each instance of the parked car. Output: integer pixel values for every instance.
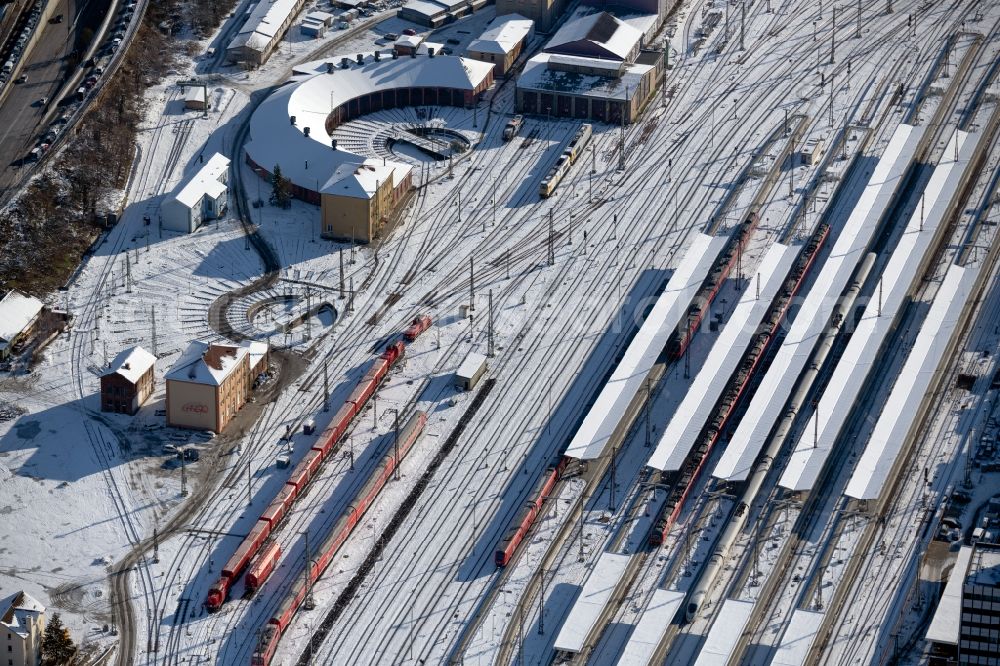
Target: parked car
(191, 454)
(410, 32)
(169, 449)
(56, 19)
(22, 79)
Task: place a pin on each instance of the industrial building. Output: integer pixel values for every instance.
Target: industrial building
(207, 386)
(128, 382)
(503, 42)
(262, 31)
(435, 13)
(19, 315)
(965, 628)
(315, 24)
(292, 129)
(202, 196)
(544, 13)
(594, 67)
(22, 619)
(260, 359)
(357, 199)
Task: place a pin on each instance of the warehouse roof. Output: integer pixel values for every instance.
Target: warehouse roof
(17, 312)
(204, 181)
(207, 363)
(537, 75)
(682, 432)
(131, 363)
(264, 23)
(425, 8)
(310, 161)
(903, 405)
(578, 36)
(861, 352)
(672, 305)
(503, 37)
(771, 395)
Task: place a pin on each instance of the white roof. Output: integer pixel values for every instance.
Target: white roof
(602, 30)
(725, 632)
(15, 611)
(945, 626)
(17, 311)
(258, 350)
(593, 598)
(859, 356)
(776, 386)
(322, 17)
(204, 181)
(707, 387)
(652, 625)
(671, 307)
(411, 41)
(357, 180)
(309, 161)
(798, 639)
(264, 22)
(131, 363)
(470, 366)
(538, 76)
(194, 94)
(428, 9)
(506, 33)
(192, 367)
(901, 409)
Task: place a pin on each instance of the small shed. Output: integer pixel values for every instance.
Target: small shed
(470, 372)
(18, 316)
(195, 97)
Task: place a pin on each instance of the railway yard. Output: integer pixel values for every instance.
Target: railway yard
(730, 369)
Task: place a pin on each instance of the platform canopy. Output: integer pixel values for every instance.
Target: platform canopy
(670, 309)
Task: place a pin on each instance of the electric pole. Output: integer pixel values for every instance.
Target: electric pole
(552, 252)
(153, 332)
(326, 388)
(341, 253)
(472, 286)
(490, 326)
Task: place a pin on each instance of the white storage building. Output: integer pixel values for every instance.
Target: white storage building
(203, 196)
(18, 316)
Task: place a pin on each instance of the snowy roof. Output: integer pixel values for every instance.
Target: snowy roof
(769, 399)
(945, 626)
(194, 94)
(725, 632)
(614, 37)
(258, 350)
(902, 407)
(706, 388)
(17, 311)
(652, 625)
(360, 181)
(264, 23)
(470, 366)
(504, 36)
(205, 363)
(593, 598)
(322, 17)
(204, 181)
(798, 638)
(607, 411)
(16, 610)
(131, 363)
(425, 8)
(410, 41)
(859, 357)
(538, 75)
(309, 161)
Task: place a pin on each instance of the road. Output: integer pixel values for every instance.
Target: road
(21, 112)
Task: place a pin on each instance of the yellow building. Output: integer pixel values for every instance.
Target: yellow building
(502, 43)
(359, 198)
(207, 386)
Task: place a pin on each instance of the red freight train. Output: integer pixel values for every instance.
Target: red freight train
(262, 567)
(303, 473)
(687, 476)
(729, 257)
(416, 327)
(526, 518)
(270, 635)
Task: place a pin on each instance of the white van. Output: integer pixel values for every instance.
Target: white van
(8, 67)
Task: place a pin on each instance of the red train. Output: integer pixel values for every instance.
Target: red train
(729, 257)
(685, 478)
(267, 643)
(416, 327)
(262, 567)
(526, 518)
(301, 475)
